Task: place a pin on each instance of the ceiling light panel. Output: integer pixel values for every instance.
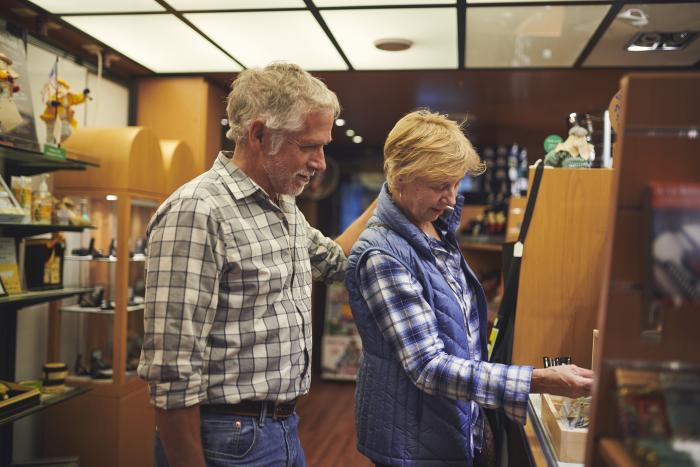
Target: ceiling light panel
(101, 6)
(529, 37)
(433, 32)
(258, 38)
(479, 2)
(343, 3)
(161, 43)
(202, 5)
(611, 49)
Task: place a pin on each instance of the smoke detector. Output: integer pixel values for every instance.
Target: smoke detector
(393, 44)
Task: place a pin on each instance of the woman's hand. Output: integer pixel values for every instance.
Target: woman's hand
(563, 380)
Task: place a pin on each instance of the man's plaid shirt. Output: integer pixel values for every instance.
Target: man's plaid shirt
(395, 298)
(228, 293)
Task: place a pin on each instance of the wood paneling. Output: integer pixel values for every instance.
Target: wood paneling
(561, 268)
(179, 164)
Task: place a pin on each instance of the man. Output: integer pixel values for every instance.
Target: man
(227, 345)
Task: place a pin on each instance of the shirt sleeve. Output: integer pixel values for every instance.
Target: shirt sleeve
(328, 261)
(405, 319)
(185, 256)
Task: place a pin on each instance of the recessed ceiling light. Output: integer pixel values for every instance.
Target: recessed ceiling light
(349, 132)
(357, 139)
(339, 122)
(393, 44)
(111, 197)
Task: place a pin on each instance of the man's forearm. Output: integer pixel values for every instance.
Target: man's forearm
(348, 238)
(179, 431)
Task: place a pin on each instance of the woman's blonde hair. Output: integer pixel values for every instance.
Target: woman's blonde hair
(428, 144)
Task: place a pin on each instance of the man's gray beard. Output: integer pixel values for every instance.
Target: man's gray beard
(282, 180)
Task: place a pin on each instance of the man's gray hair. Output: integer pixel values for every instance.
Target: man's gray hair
(281, 94)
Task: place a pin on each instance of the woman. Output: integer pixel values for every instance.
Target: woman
(421, 314)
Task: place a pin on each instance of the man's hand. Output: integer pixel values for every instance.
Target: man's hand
(563, 380)
(179, 431)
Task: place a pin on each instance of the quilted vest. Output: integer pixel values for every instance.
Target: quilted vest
(397, 423)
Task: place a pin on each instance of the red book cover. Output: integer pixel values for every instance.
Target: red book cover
(674, 214)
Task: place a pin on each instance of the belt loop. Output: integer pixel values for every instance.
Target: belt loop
(274, 411)
(263, 414)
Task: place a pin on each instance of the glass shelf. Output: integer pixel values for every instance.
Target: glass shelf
(47, 400)
(109, 259)
(15, 229)
(41, 296)
(26, 162)
(98, 310)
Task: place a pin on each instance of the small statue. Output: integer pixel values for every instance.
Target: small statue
(575, 152)
(10, 117)
(58, 114)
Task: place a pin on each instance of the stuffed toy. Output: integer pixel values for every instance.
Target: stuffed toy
(58, 114)
(10, 117)
(572, 153)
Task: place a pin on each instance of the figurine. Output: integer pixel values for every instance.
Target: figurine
(575, 152)
(10, 117)
(58, 114)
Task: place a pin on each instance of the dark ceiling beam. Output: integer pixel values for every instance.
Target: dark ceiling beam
(598, 34)
(317, 14)
(461, 33)
(182, 18)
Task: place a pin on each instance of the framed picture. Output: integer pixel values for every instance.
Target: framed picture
(3, 292)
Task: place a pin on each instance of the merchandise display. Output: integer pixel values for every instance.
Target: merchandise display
(43, 263)
(575, 152)
(54, 377)
(58, 113)
(9, 115)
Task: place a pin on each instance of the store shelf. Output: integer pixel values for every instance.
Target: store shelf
(534, 410)
(10, 229)
(615, 454)
(480, 246)
(110, 259)
(20, 161)
(47, 401)
(98, 310)
(33, 298)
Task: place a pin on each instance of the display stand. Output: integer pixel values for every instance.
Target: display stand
(113, 425)
(178, 162)
(657, 141)
(560, 276)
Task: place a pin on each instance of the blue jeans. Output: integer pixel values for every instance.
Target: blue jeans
(231, 440)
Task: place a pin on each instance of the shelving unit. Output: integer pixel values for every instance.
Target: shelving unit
(17, 161)
(657, 140)
(98, 310)
(47, 400)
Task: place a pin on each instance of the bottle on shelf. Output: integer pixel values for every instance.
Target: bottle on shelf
(42, 203)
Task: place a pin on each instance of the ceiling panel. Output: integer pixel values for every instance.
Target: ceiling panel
(293, 36)
(101, 6)
(611, 49)
(339, 3)
(433, 32)
(529, 37)
(199, 5)
(160, 42)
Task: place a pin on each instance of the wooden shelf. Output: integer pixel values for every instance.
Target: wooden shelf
(615, 454)
(98, 310)
(41, 296)
(25, 162)
(480, 246)
(13, 229)
(47, 401)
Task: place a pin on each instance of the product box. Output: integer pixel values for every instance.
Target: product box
(340, 357)
(15, 398)
(569, 443)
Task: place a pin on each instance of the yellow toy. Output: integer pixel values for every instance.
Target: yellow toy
(58, 114)
(10, 117)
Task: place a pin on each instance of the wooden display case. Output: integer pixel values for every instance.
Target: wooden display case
(123, 194)
(657, 140)
(178, 162)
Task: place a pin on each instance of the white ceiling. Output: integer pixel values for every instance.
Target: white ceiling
(339, 34)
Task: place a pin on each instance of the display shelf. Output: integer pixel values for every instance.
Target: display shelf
(20, 161)
(110, 259)
(47, 401)
(534, 411)
(40, 296)
(98, 310)
(14, 229)
(615, 454)
(468, 244)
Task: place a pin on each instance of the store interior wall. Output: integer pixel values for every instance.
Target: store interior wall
(109, 108)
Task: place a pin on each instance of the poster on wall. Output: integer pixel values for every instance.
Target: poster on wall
(16, 113)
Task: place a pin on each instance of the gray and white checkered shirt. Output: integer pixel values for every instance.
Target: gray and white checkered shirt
(228, 293)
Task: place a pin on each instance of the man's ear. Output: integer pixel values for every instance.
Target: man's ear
(256, 134)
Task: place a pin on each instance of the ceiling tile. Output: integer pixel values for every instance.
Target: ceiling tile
(339, 3)
(529, 37)
(200, 5)
(102, 6)
(611, 49)
(258, 38)
(433, 32)
(162, 42)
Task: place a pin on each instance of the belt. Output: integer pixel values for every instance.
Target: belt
(276, 410)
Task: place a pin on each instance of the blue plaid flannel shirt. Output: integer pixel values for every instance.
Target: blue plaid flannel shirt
(406, 320)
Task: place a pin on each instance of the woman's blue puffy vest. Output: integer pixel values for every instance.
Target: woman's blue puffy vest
(397, 423)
